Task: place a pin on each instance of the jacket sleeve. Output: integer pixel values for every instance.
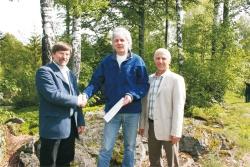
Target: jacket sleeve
(179, 97)
(47, 88)
(96, 81)
(141, 86)
(80, 117)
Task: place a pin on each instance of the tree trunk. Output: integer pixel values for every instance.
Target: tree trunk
(48, 38)
(76, 46)
(179, 12)
(216, 23)
(166, 23)
(226, 13)
(67, 20)
(141, 27)
(225, 24)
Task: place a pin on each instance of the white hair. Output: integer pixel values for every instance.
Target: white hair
(122, 31)
(163, 51)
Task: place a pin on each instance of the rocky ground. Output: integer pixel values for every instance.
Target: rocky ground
(197, 141)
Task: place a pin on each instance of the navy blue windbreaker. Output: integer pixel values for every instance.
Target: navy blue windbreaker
(130, 78)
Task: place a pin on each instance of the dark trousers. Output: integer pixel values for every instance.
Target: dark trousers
(58, 152)
(155, 147)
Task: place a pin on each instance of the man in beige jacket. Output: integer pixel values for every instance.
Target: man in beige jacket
(163, 110)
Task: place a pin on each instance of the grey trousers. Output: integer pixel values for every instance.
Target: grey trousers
(155, 147)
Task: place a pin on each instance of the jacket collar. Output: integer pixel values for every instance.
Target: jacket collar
(130, 55)
(164, 77)
(57, 71)
(166, 73)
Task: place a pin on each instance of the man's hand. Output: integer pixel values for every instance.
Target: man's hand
(141, 132)
(174, 139)
(127, 100)
(82, 100)
(80, 129)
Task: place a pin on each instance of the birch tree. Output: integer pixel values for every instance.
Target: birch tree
(141, 13)
(166, 22)
(179, 22)
(76, 40)
(48, 38)
(215, 27)
(225, 24)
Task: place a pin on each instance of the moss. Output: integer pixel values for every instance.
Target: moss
(211, 160)
(28, 114)
(93, 109)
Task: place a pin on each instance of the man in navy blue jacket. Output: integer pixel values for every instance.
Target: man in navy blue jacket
(60, 116)
(122, 74)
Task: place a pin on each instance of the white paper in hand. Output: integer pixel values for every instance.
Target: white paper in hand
(114, 110)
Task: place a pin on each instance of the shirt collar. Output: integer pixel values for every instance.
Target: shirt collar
(129, 55)
(164, 74)
(62, 68)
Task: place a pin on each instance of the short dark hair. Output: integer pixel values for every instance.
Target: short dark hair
(61, 46)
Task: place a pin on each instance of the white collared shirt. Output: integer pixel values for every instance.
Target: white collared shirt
(64, 70)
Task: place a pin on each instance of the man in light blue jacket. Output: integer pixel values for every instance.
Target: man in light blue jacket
(60, 116)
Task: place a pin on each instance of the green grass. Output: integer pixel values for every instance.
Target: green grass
(234, 114)
(237, 122)
(211, 161)
(30, 116)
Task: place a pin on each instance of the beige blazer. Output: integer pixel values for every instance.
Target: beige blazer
(169, 107)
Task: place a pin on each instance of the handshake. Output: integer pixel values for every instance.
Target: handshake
(82, 100)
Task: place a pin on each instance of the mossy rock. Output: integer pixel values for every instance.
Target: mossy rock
(2, 143)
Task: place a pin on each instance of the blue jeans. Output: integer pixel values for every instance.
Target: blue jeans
(129, 122)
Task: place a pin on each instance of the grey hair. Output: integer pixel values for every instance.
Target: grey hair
(163, 51)
(122, 31)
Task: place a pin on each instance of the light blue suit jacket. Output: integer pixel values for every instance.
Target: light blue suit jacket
(57, 99)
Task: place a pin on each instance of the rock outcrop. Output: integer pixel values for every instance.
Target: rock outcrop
(2, 144)
(197, 141)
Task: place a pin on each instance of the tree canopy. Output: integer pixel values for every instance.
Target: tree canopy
(214, 53)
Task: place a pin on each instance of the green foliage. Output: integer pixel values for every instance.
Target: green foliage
(208, 113)
(18, 65)
(93, 109)
(238, 70)
(204, 83)
(244, 33)
(87, 6)
(9, 90)
(209, 76)
(197, 32)
(5, 115)
(29, 115)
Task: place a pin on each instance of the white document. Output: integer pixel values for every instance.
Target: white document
(114, 110)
